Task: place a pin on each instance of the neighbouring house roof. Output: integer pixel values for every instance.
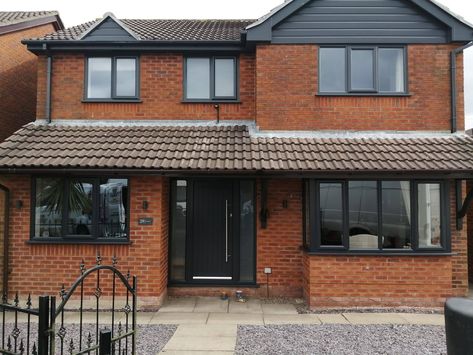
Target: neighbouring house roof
(225, 148)
(15, 20)
(164, 30)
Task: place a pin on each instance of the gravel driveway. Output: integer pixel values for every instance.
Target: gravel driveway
(151, 339)
(341, 339)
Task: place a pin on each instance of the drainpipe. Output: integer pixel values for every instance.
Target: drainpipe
(454, 55)
(49, 71)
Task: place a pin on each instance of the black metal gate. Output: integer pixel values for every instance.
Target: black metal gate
(52, 333)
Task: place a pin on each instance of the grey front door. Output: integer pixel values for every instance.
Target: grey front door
(212, 236)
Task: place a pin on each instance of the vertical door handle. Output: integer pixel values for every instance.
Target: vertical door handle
(226, 231)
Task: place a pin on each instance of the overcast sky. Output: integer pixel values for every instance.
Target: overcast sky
(76, 12)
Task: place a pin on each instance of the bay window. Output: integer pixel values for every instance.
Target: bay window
(376, 216)
(77, 209)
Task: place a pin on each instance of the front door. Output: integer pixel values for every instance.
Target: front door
(212, 231)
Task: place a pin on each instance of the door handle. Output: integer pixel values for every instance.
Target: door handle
(226, 231)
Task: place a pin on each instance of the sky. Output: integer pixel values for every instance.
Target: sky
(76, 12)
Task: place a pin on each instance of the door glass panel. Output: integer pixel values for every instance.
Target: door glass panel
(79, 219)
(178, 230)
(331, 214)
(49, 206)
(332, 76)
(113, 208)
(99, 78)
(362, 73)
(198, 78)
(126, 77)
(247, 231)
(429, 222)
(363, 214)
(224, 77)
(391, 70)
(396, 207)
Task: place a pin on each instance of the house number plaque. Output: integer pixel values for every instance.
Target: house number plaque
(146, 221)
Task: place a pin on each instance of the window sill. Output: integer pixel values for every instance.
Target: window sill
(112, 101)
(378, 253)
(211, 101)
(362, 94)
(80, 241)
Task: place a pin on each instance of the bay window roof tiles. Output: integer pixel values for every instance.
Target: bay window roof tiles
(225, 148)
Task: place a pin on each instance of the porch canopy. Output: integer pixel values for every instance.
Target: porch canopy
(227, 148)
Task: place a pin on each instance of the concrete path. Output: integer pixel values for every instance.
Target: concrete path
(209, 325)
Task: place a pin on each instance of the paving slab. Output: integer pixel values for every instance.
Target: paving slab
(252, 306)
(207, 330)
(271, 308)
(235, 318)
(374, 318)
(90, 317)
(190, 352)
(211, 304)
(200, 343)
(179, 318)
(291, 319)
(332, 319)
(179, 305)
(424, 319)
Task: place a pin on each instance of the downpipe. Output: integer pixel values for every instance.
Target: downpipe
(453, 59)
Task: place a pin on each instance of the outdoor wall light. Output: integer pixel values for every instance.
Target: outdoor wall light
(19, 204)
(145, 205)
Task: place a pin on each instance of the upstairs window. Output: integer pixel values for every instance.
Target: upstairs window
(210, 78)
(362, 70)
(112, 78)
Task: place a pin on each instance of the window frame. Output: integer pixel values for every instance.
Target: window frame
(113, 96)
(349, 91)
(66, 238)
(212, 97)
(315, 223)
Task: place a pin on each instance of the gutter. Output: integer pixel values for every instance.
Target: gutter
(454, 100)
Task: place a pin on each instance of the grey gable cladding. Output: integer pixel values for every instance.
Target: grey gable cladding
(108, 30)
(359, 21)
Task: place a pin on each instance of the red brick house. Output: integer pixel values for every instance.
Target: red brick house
(18, 66)
(315, 152)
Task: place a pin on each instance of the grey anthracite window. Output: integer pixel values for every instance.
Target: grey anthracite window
(362, 70)
(80, 208)
(112, 78)
(210, 78)
(377, 216)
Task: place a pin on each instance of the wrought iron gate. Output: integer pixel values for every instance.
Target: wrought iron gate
(52, 333)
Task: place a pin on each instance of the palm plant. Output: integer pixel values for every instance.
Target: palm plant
(53, 196)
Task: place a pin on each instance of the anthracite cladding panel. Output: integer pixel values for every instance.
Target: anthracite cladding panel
(360, 21)
(109, 30)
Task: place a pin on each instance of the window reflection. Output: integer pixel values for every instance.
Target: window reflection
(49, 205)
(179, 227)
(80, 208)
(363, 214)
(429, 222)
(113, 208)
(331, 214)
(396, 207)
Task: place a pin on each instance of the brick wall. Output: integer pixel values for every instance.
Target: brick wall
(287, 94)
(44, 268)
(18, 74)
(469, 220)
(2, 233)
(279, 245)
(161, 92)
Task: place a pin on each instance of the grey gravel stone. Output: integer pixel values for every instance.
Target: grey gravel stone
(151, 339)
(341, 339)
